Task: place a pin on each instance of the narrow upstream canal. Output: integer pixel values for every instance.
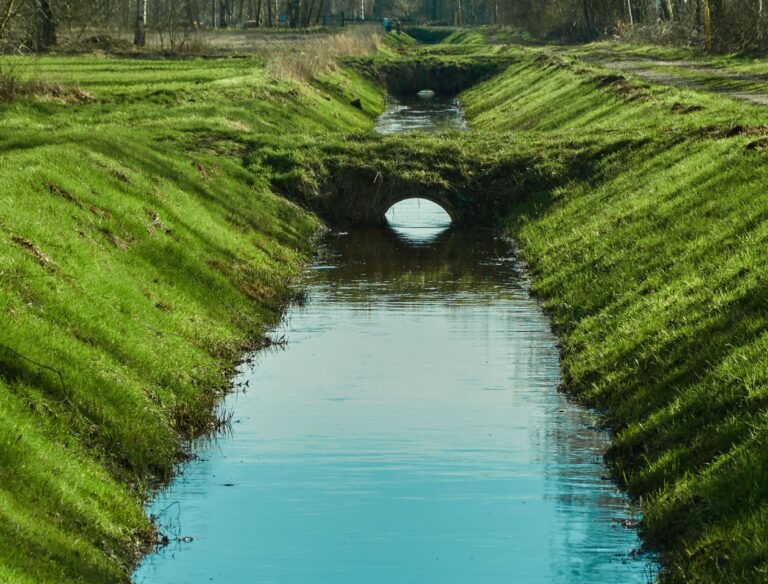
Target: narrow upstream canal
(410, 432)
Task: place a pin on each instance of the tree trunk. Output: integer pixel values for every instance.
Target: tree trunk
(45, 25)
(293, 13)
(664, 9)
(192, 15)
(106, 7)
(707, 26)
(698, 17)
(140, 32)
(222, 14)
(6, 17)
(589, 21)
(306, 13)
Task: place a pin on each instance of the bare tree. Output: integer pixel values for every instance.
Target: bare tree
(8, 11)
(140, 31)
(45, 25)
(719, 24)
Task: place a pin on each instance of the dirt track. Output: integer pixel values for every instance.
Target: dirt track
(707, 77)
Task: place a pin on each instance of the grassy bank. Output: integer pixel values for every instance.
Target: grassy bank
(654, 270)
(639, 208)
(138, 258)
(143, 247)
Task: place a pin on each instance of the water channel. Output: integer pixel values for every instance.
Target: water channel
(423, 115)
(411, 431)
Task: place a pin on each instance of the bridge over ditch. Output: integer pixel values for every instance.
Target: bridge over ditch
(359, 197)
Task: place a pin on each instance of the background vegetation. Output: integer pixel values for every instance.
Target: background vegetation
(722, 25)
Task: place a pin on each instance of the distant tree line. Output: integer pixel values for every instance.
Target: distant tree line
(726, 24)
(37, 21)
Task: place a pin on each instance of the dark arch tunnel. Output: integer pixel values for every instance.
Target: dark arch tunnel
(360, 198)
(361, 181)
(445, 77)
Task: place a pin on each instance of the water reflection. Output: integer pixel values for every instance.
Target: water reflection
(418, 220)
(438, 114)
(411, 432)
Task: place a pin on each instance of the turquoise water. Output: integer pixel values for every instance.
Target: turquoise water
(411, 431)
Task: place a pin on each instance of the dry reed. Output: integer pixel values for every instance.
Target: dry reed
(316, 55)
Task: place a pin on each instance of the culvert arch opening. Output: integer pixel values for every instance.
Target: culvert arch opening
(418, 219)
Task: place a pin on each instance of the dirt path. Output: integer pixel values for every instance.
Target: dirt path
(707, 77)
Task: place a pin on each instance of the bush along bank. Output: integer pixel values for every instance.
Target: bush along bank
(139, 259)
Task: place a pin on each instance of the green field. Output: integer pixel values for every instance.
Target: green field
(145, 245)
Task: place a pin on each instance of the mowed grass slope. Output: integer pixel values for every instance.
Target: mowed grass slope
(142, 249)
(654, 268)
(138, 259)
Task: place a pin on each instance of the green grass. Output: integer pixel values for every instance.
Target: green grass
(561, 95)
(139, 258)
(143, 248)
(652, 265)
(393, 41)
(736, 61)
